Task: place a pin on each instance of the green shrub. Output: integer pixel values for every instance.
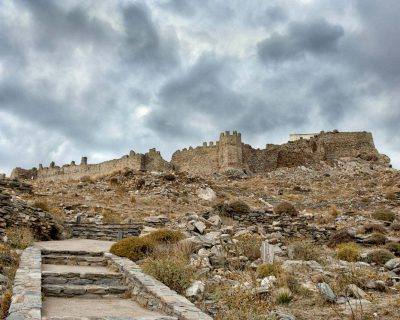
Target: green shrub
(285, 208)
(384, 215)
(249, 245)
(393, 247)
(20, 237)
(283, 296)
(348, 251)
(134, 248)
(173, 271)
(268, 269)
(166, 236)
(379, 256)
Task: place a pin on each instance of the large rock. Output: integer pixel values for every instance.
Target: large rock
(393, 263)
(207, 194)
(196, 289)
(326, 291)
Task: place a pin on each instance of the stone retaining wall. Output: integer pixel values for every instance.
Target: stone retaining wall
(110, 232)
(290, 226)
(26, 301)
(154, 295)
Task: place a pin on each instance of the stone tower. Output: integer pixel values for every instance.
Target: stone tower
(230, 155)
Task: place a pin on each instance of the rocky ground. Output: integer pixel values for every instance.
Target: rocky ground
(330, 235)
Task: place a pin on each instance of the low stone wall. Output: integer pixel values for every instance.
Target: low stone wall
(154, 295)
(110, 232)
(26, 301)
(289, 226)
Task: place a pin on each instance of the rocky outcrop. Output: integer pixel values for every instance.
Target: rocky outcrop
(14, 212)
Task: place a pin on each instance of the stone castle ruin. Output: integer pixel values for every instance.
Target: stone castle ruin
(228, 153)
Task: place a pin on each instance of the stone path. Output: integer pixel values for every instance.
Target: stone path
(78, 284)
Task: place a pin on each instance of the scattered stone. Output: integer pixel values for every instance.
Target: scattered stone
(196, 289)
(393, 263)
(207, 194)
(326, 291)
(356, 292)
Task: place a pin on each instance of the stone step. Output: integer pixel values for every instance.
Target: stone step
(76, 260)
(112, 318)
(86, 291)
(77, 278)
(72, 253)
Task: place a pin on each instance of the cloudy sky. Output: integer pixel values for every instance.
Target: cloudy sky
(99, 78)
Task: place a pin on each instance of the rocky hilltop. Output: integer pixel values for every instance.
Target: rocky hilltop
(305, 230)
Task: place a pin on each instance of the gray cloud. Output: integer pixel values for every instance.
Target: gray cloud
(313, 37)
(99, 78)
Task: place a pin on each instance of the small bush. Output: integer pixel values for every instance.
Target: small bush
(170, 270)
(229, 210)
(169, 177)
(374, 227)
(391, 194)
(384, 215)
(249, 245)
(306, 250)
(285, 208)
(348, 251)
(114, 181)
(43, 205)
(340, 236)
(283, 296)
(86, 179)
(376, 238)
(5, 304)
(134, 248)
(166, 236)
(20, 237)
(111, 217)
(379, 256)
(268, 269)
(393, 247)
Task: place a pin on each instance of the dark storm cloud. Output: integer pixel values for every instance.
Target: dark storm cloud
(143, 43)
(313, 37)
(204, 91)
(102, 77)
(56, 26)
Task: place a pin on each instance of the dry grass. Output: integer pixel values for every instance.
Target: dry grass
(133, 248)
(285, 208)
(306, 250)
(393, 247)
(111, 217)
(166, 236)
(348, 251)
(283, 296)
(249, 245)
(5, 304)
(20, 237)
(269, 269)
(384, 215)
(239, 303)
(43, 205)
(170, 265)
(379, 256)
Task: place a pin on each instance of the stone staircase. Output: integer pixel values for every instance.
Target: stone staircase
(80, 285)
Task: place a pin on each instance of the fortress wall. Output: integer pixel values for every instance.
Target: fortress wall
(92, 170)
(199, 160)
(335, 145)
(228, 153)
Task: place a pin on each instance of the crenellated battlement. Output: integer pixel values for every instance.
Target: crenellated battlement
(229, 152)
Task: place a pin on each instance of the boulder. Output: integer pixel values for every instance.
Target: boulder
(326, 291)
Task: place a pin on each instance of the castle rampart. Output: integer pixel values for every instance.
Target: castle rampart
(228, 153)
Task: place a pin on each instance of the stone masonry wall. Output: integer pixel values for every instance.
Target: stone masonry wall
(226, 154)
(151, 161)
